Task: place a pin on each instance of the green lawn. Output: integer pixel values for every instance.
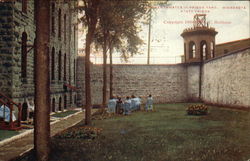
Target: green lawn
(4, 134)
(166, 135)
(64, 114)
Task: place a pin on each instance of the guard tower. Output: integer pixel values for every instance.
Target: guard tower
(199, 41)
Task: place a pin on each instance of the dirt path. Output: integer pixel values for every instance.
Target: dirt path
(24, 144)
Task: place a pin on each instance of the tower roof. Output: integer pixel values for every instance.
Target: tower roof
(200, 26)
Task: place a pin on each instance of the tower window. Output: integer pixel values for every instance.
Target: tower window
(212, 50)
(191, 50)
(203, 50)
(24, 56)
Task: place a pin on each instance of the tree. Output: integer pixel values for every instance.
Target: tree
(101, 39)
(90, 19)
(127, 29)
(42, 97)
(118, 29)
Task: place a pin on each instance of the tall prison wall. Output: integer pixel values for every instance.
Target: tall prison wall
(193, 80)
(226, 80)
(167, 83)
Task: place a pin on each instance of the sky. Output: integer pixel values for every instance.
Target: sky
(229, 18)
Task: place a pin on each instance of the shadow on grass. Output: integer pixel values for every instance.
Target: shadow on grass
(64, 114)
(168, 134)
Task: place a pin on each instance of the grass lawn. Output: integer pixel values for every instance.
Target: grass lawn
(166, 135)
(4, 134)
(64, 114)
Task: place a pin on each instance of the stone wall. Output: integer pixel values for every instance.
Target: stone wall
(167, 83)
(23, 23)
(226, 80)
(66, 43)
(6, 49)
(193, 80)
(223, 80)
(15, 22)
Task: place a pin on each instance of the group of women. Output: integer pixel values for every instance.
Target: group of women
(130, 104)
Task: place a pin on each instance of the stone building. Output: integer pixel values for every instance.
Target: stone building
(17, 34)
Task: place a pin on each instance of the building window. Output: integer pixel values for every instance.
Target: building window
(53, 64)
(191, 50)
(74, 71)
(24, 56)
(59, 23)
(65, 101)
(53, 105)
(53, 19)
(212, 50)
(59, 65)
(75, 99)
(65, 28)
(74, 38)
(60, 104)
(65, 65)
(24, 6)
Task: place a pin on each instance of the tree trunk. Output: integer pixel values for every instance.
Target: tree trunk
(92, 21)
(110, 71)
(42, 88)
(87, 79)
(104, 89)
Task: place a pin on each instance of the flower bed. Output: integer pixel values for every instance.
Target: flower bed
(101, 114)
(197, 110)
(81, 132)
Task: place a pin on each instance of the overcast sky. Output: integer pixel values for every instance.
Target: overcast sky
(229, 18)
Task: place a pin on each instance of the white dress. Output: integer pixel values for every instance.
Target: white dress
(112, 105)
(149, 104)
(5, 113)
